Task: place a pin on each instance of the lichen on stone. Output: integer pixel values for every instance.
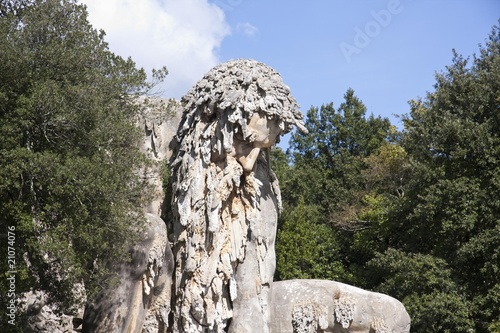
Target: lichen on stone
(308, 318)
(344, 310)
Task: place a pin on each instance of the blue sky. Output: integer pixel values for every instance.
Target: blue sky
(386, 50)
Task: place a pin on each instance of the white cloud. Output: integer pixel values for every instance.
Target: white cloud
(248, 29)
(182, 35)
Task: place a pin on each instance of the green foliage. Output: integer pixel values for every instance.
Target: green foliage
(305, 248)
(337, 133)
(326, 177)
(425, 285)
(68, 154)
(439, 312)
(400, 274)
(414, 215)
(450, 210)
(494, 327)
(330, 159)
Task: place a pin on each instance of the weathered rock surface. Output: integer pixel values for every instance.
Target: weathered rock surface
(144, 292)
(159, 120)
(226, 198)
(41, 316)
(307, 306)
(141, 301)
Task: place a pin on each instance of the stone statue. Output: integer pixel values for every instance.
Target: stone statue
(309, 306)
(226, 198)
(214, 270)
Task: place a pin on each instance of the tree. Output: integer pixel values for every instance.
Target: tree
(424, 284)
(69, 160)
(324, 180)
(449, 212)
(305, 248)
(334, 150)
(365, 222)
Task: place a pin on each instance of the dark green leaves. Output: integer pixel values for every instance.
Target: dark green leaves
(414, 215)
(69, 158)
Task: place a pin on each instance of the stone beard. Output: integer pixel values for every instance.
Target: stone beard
(226, 198)
(226, 270)
(225, 246)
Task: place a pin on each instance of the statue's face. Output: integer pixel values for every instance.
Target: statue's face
(266, 131)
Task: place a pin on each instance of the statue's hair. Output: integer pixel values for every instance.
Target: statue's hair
(230, 93)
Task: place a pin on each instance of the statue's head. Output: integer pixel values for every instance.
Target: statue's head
(237, 109)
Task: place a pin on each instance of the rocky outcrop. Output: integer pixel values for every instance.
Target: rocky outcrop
(159, 120)
(141, 301)
(43, 317)
(308, 306)
(143, 294)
